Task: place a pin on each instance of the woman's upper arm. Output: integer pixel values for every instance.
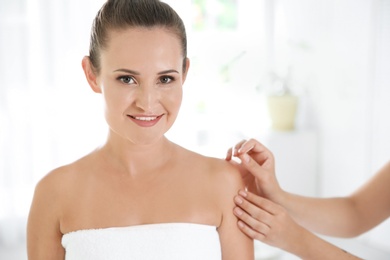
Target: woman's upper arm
(234, 243)
(43, 227)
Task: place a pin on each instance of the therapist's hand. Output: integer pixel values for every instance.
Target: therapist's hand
(263, 220)
(268, 222)
(257, 168)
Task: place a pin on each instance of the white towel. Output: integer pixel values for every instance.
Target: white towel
(173, 241)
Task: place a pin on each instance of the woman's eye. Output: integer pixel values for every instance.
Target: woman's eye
(166, 79)
(126, 79)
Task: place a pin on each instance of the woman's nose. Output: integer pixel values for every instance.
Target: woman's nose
(147, 97)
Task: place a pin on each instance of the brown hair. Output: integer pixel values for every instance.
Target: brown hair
(122, 14)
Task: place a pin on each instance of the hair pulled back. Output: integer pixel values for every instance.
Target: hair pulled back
(123, 14)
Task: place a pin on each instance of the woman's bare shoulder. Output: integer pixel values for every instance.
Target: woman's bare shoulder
(227, 175)
(222, 173)
(63, 177)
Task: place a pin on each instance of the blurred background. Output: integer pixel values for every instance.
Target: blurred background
(331, 56)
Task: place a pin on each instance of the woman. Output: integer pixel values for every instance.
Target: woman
(139, 196)
(265, 211)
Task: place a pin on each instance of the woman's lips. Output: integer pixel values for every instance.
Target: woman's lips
(145, 121)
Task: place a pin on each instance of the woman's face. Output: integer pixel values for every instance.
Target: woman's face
(141, 80)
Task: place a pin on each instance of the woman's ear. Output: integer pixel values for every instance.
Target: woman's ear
(90, 74)
(187, 61)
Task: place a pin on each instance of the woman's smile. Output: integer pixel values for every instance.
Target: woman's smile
(145, 121)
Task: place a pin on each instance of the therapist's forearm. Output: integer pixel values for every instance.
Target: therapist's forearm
(328, 216)
(313, 247)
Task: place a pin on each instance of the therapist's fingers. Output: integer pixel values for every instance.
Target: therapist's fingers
(229, 154)
(256, 205)
(257, 167)
(250, 226)
(259, 215)
(233, 151)
(258, 150)
(253, 166)
(266, 221)
(258, 222)
(259, 155)
(238, 146)
(245, 146)
(255, 220)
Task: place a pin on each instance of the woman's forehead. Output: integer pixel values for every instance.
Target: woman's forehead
(135, 46)
(140, 38)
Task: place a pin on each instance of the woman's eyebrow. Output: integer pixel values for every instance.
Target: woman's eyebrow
(167, 72)
(137, 73)
(127, 71)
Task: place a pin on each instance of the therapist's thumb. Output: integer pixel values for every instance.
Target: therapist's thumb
(251, 165)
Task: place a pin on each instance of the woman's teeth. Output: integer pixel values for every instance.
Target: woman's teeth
(146, 118)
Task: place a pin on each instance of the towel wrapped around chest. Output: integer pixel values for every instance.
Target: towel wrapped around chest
(166, 241)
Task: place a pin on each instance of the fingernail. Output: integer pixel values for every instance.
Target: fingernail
(238, 200)
(250, 148)
(240, 224)
(229, 152)
(243, 193)
(238, 211)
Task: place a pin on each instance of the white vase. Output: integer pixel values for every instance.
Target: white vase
(282, 110)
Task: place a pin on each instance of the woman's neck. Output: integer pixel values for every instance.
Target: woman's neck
(129, 158)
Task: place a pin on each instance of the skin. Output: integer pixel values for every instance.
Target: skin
(138, 166)
(271, 215)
